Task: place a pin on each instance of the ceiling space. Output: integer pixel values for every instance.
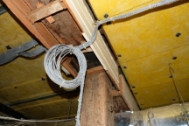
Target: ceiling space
(147, 46)
(24, 86)
(136, 63)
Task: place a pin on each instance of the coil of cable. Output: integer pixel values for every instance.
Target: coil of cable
(54, 56)
(52, 64)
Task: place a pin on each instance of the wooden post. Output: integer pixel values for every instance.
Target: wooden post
(97, 108)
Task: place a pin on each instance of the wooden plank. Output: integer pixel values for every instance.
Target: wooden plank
(97, 108)
(50, 19)
(99, 47)
(127, 95)
(45, 11)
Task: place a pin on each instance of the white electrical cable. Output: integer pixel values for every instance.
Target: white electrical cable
(55, 55)
(52, 63)
(35, 121)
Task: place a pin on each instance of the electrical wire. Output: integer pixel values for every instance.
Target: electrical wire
(55, 55)
(34, 121)
(130, 9)
(181, 100)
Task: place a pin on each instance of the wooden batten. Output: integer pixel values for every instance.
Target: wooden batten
(97, 108)
(50, 19)
(99, 47)
(44, 11)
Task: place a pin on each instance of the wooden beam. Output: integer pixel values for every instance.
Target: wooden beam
(45, 11)
(99, 47)
(50, 19)
(97, 108)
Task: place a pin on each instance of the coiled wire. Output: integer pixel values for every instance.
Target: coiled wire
(54, 56)
(52, 64)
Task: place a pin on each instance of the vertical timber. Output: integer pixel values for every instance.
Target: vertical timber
(97, 108)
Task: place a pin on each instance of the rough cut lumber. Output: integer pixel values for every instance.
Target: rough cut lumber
(119, 104)
(45, 11)
(97, 108)
(50, 19)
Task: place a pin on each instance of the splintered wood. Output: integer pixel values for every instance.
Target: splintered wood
(97, 108)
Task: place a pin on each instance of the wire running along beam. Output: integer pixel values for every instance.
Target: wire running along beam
(55, 55)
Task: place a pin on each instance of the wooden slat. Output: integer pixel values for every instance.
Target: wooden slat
(99, 47)
(50, 19)
(45, 11)
(97, 108)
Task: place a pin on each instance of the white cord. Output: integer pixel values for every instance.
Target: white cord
(33, 121)
(55, 55)
(52, 64)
